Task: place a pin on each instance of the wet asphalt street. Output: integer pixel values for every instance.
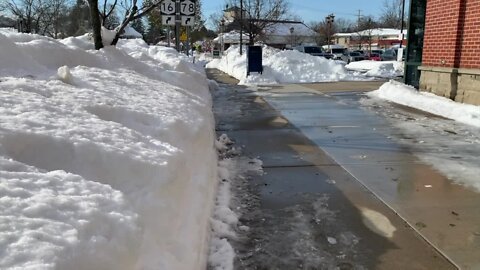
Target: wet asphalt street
(336, 192)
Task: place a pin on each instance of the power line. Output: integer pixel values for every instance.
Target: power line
(324, 10)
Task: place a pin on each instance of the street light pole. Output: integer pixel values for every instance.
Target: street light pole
(222, 27)
(401, 28)
(291, 36)
(330, 19)
(241, 26)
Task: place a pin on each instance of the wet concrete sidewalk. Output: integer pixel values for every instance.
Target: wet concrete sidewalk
(309, 211)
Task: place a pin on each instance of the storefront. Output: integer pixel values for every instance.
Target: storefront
(443, 48)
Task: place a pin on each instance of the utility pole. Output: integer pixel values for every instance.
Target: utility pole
(401, 28)
(241, 26)
(359, 17)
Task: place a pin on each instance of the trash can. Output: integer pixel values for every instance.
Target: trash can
(254, 59)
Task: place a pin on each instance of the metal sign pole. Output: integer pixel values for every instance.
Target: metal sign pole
(168, 35)
(188, 40)
(177, 25)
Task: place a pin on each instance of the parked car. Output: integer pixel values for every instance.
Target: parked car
(360, 52)
(352, 57)
(336, 52)
(314, 50)
(389, 55)
(379, 52)
(373, 56)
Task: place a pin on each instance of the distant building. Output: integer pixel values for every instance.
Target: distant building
(289, 34)
(443, 49)
(279, 34)
(130, 33)
(377, 38)
(7, 22)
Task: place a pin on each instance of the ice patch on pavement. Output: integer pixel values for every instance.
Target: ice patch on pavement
(451, 147)
(377, 222)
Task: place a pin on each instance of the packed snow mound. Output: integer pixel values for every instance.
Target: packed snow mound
(106, 161)
(409, 96)
(382, 69)
(282, 66)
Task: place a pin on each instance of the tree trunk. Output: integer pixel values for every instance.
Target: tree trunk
(96, 24)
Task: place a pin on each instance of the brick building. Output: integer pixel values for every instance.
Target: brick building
(448, 47)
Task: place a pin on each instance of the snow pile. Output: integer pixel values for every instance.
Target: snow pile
(282, 67)
(382, 69)
(409, 96)
(106, 157)
(225, 222)
(450, 147)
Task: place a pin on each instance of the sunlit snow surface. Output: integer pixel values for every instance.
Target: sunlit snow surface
(452, 147)
(106, 157)
(287, 66)
(291, 66)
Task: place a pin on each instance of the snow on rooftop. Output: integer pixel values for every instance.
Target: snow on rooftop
(131, 32)
(231, 37)
(389, 32)
(284, 29)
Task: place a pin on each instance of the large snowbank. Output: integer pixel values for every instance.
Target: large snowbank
(409, 96)
(288, 66)
(106, 157)
(382, 69)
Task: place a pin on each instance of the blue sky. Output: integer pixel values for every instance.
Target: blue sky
(316, 10)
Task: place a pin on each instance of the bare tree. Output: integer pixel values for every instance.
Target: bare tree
(259, 14)
(132, 12)
(96, 24)
(38, 16)
(28, 12)
(365, 29)
(391, 14)
(344, 25)
(107, 10)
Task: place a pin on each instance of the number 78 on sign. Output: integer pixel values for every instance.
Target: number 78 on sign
(168, 7)
(187, 7)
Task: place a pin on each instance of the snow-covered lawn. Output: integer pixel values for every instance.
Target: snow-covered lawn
(107, 158)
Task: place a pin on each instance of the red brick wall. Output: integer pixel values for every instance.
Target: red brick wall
(470, 48)
(452, 34)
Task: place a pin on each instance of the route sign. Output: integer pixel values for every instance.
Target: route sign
(187, 7)
(168, 19)
(167, 7)
(188, 20)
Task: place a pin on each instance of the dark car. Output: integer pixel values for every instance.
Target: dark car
(314, 50)
(389, 55)
(352, 57)
(379, 52)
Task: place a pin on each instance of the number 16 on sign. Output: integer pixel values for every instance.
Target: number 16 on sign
(167, 7)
